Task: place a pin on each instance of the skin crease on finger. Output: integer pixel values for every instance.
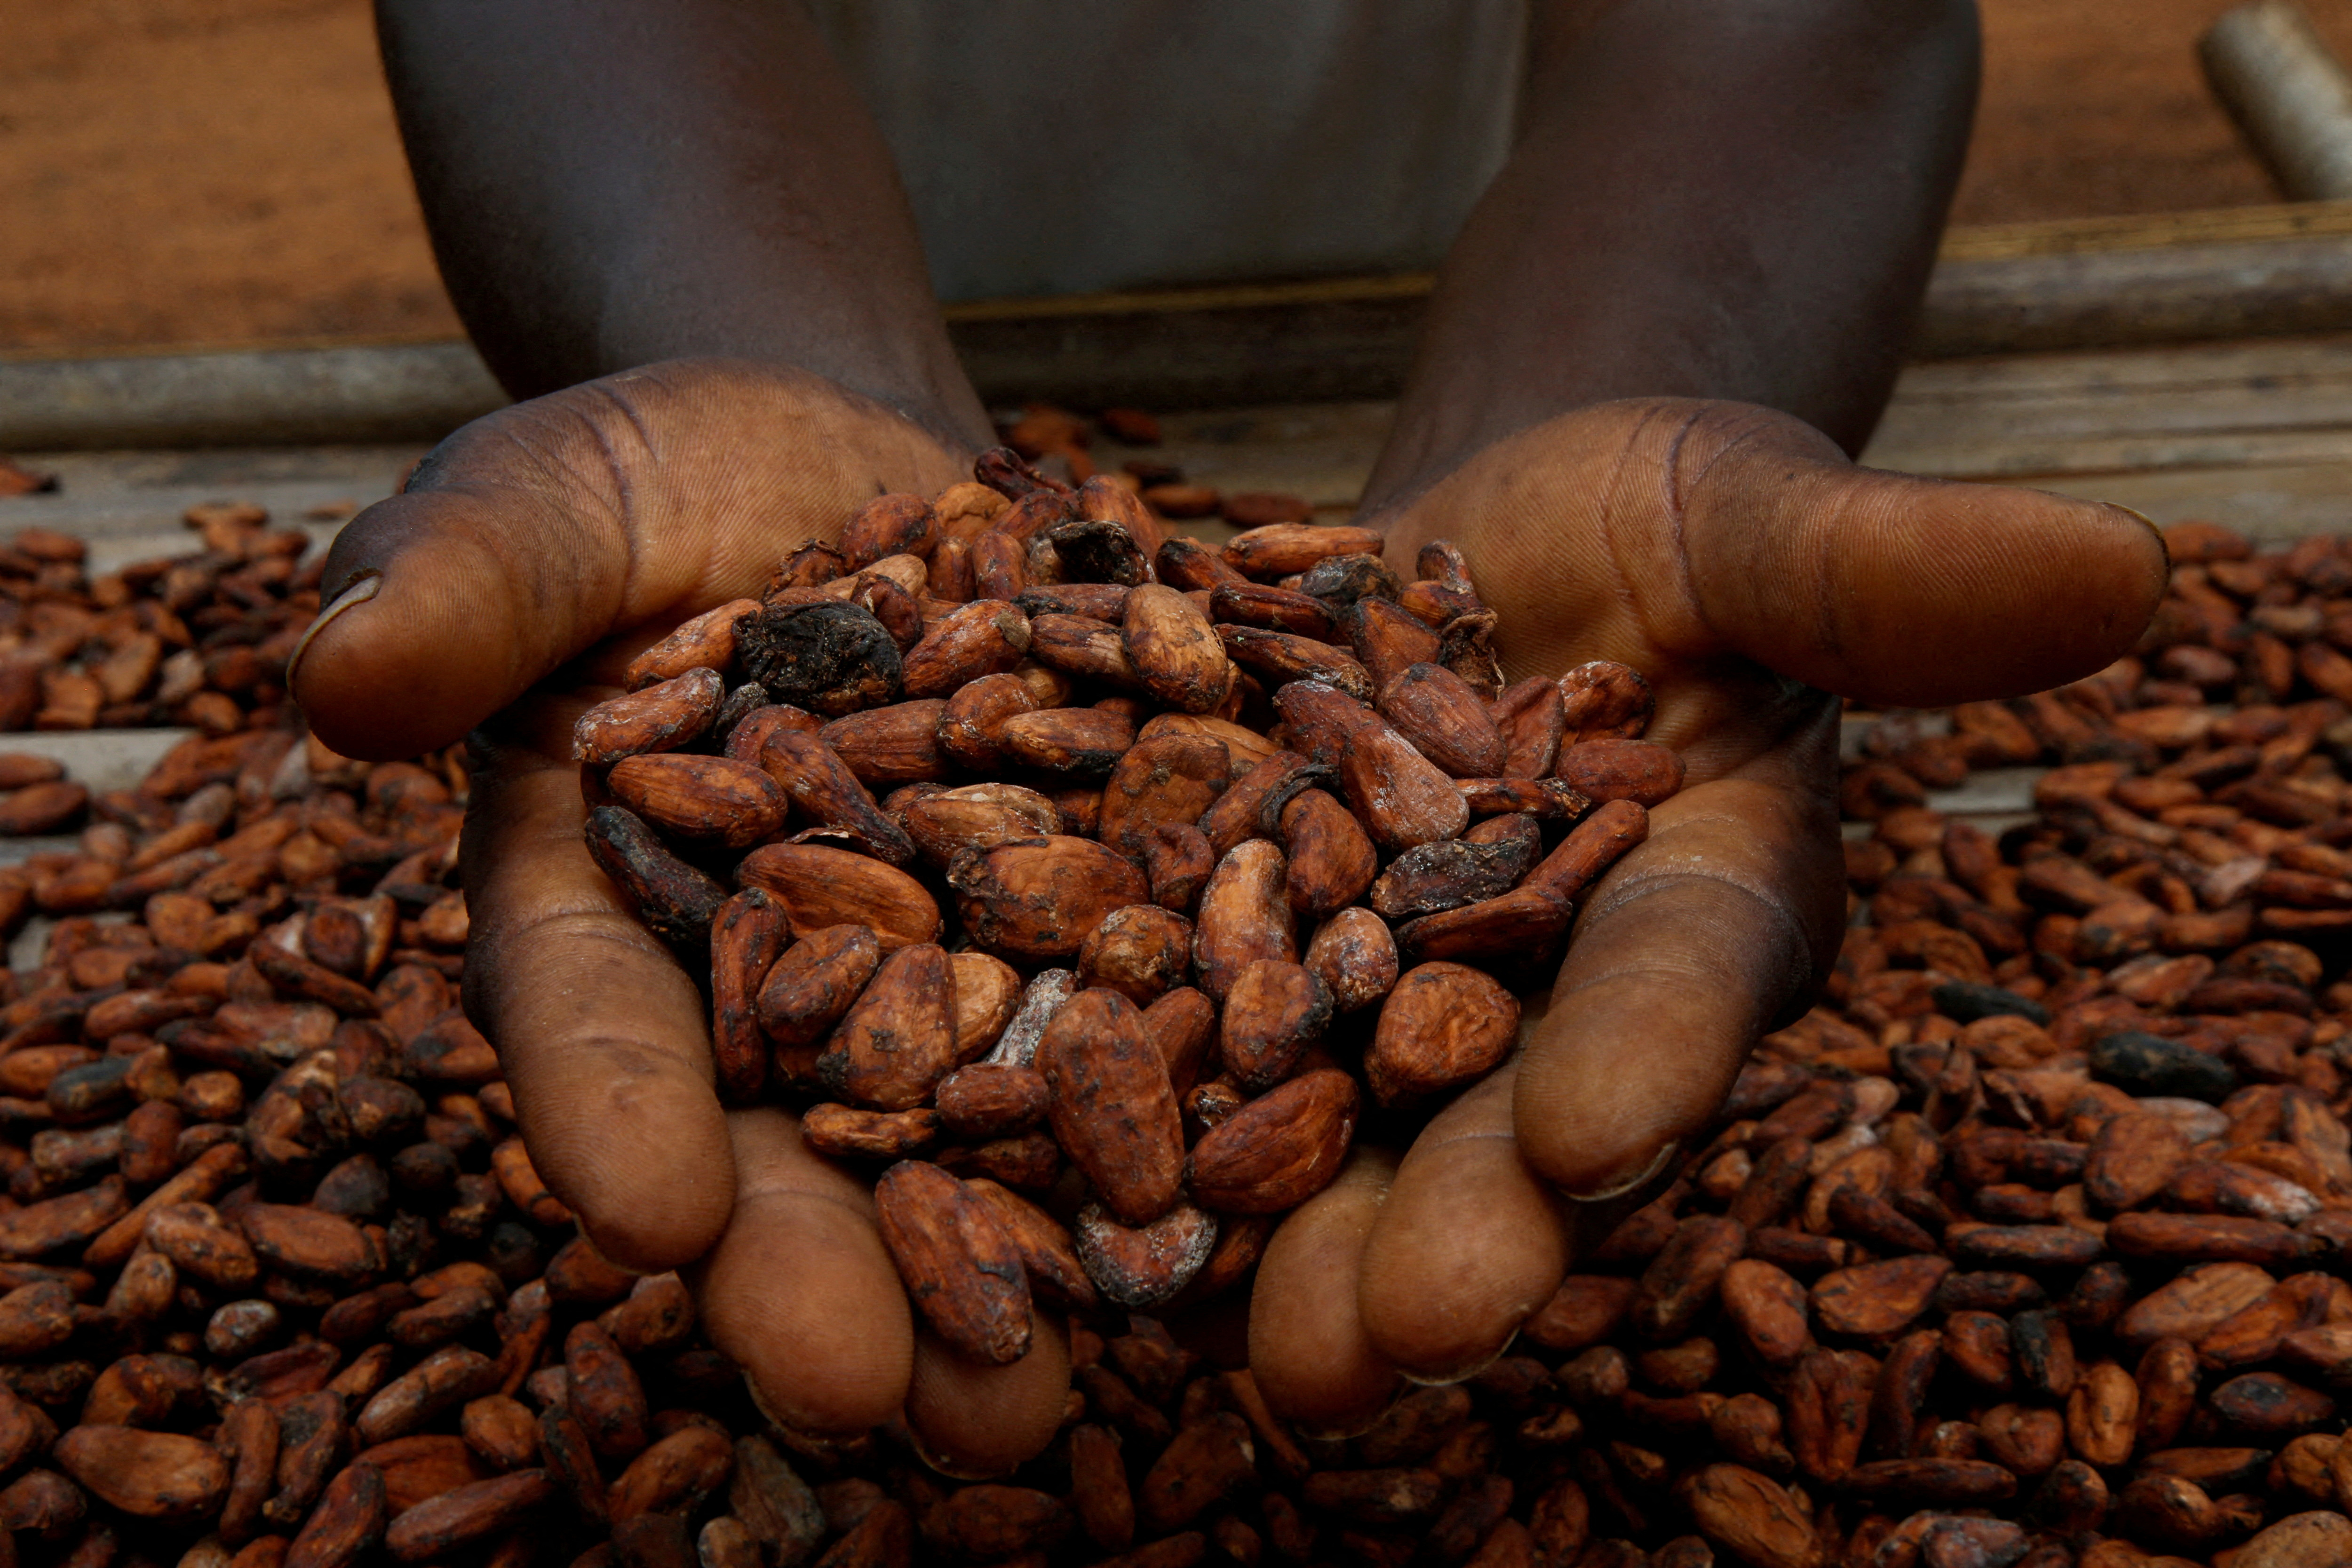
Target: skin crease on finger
(597, 1028)
(1307, 1344)
(539, 532)
(800, 1290)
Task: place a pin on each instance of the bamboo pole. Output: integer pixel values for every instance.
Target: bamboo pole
(2288, 93)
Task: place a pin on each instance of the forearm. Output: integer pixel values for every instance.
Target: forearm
(610, 182)
(1706, 201)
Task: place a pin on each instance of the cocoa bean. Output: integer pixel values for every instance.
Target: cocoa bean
(1442, 1026)
(1143, 1266)
(971, 642)
(806, 991)
(976, 818)
(1033, 900)
(830, 659)
(604, 1392)
(899, 1039)
(1140, 951)
(1047, 1250)
(1174, 652)
(1278, 1151)
(1245, 916)
(1604, 701)
(1273, 1012)
(662, 717)
(459, 1519)
(1281, 549)
(676, 900)
(822, 788)
(150, 1475)
(818, 887)
(1111, 1104)
(700, 797)
(350, 1520)
(961, 1269)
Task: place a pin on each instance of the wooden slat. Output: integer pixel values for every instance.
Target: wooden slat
(2279, 405)
(103, 759)
(129, 505)
(2156, 295)
(2268, 504)
(2023, 459)
(2094, 411)
(2146, 231)
(1985, 242)
(2279, 363)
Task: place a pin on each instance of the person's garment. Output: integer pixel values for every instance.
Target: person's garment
(1060, 147)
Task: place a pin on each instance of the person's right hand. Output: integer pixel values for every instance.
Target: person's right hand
(529, 557)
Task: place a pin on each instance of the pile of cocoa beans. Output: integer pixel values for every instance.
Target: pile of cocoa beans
(1180, 854)
(2027, 1245)
(199, 639)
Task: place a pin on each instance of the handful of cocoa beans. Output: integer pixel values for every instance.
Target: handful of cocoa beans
(1179, 856)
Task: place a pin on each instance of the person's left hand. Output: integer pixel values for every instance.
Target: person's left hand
(1734, 556)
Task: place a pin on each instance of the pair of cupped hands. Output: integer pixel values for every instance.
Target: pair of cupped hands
(1730, 553)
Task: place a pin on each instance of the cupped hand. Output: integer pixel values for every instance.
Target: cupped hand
(1735, 557)
(529, 558)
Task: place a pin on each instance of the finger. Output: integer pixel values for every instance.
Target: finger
(1689, 949)
(1469, 1242)
(973, 1421)
(800, 1291)
(537, 531)
(1308, 1347)
(1893, 589)
(599, 1032)
(1694, 530)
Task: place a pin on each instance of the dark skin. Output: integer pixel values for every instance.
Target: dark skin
(1655, 344)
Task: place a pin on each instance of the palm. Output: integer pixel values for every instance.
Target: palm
(1734, 556)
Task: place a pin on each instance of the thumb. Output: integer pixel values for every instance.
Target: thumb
(1905, 591)
(448, 604)
(538, 531)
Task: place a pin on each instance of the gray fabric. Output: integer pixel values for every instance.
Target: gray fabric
(1052, 147)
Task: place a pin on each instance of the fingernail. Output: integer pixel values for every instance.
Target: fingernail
(1618, 1185)
(359, 593)
(2145, 520)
